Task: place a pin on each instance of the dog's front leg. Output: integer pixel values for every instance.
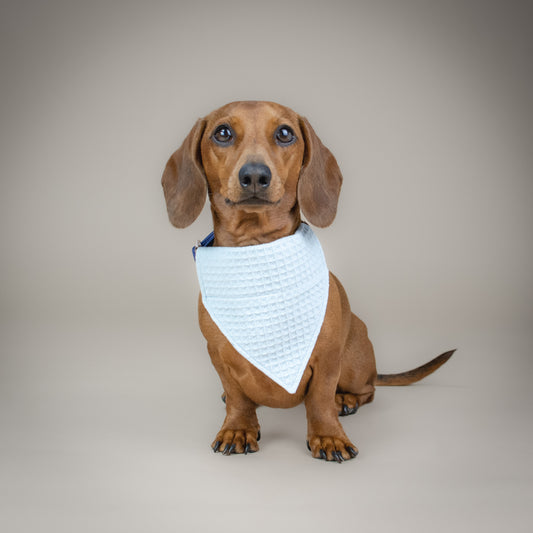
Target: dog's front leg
(240, 431)
(325, 436)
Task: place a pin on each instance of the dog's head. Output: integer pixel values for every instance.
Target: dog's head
(252, 157)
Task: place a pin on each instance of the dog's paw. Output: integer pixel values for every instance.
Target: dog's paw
(347, 404)
(331, 449)
(230, 441)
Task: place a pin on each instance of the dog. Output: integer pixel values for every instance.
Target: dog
(263, 166)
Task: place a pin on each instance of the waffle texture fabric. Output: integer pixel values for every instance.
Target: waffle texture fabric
(269, 300)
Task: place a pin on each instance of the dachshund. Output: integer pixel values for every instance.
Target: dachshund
(263, 167)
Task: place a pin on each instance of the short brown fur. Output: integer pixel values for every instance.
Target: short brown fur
(341, 373)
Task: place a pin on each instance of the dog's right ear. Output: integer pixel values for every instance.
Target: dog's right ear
(184, 182)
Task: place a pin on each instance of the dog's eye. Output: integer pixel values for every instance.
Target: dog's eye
(223, 134)
(285, 135)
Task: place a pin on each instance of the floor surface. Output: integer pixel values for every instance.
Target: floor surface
(106, 427)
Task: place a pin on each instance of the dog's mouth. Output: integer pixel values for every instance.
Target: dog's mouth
(252, 200)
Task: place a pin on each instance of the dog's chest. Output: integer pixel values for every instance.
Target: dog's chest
(268, 300)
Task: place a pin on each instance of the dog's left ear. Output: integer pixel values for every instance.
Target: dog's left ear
(320, 180)
(184, 182)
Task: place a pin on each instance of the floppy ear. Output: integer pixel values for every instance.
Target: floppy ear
(184, 182)
(320, 180)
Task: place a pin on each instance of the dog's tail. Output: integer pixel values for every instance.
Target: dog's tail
(411, 376)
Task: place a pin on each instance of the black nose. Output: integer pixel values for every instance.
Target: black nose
(254, 176)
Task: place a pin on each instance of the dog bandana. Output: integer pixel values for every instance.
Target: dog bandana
(269, 300)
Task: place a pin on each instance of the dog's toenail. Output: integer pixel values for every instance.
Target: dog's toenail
(351, 451)
(337, 456)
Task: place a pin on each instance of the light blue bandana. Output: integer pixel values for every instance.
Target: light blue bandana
(269, 300)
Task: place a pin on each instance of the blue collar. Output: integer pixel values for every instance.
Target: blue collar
(208, 241)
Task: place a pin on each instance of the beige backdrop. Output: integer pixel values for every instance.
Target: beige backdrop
(108, 401)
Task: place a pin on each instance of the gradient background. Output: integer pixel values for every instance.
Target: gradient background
(108, 401)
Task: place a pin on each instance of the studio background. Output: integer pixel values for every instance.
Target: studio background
(108, 401)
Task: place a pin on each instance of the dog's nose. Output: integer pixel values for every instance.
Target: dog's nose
(254, 176)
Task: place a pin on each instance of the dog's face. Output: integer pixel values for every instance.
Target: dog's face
(252, 157)
(252, 153)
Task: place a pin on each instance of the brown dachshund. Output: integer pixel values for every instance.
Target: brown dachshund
(262, 165)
